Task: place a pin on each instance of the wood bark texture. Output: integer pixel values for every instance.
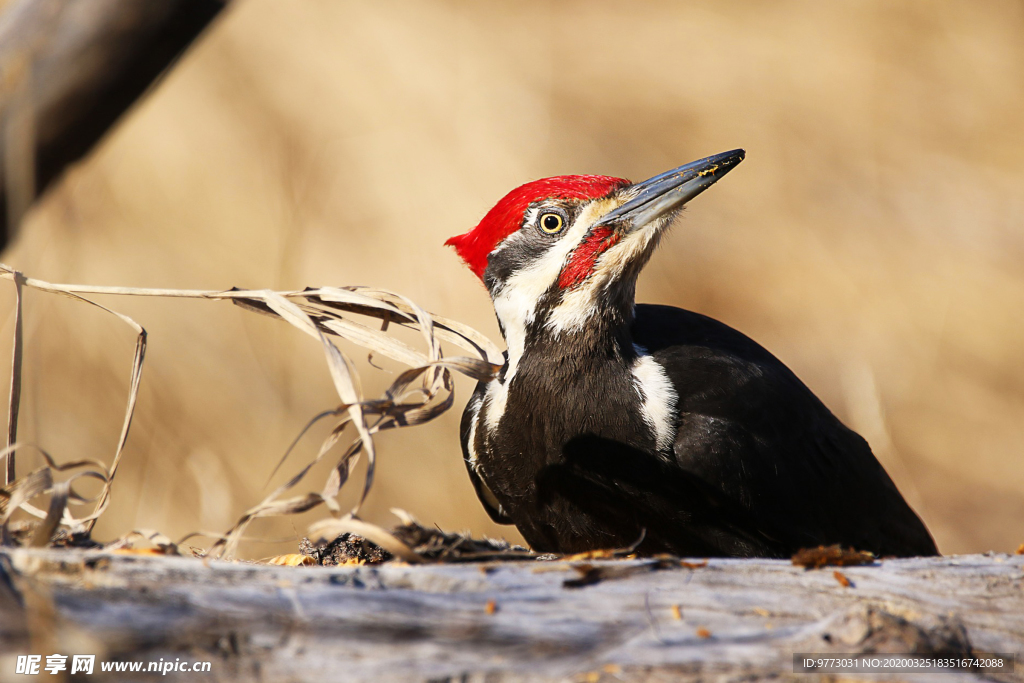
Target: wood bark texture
(612, 620)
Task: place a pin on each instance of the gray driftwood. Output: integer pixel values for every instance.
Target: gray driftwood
(731, 619)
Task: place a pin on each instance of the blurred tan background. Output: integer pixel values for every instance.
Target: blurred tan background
(873, 239)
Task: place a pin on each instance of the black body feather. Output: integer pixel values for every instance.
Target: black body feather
(759, 466)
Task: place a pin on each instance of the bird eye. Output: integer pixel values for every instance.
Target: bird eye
(551, 223)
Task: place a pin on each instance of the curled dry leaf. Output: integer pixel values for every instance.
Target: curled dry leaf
(61, 492)
(418, 395)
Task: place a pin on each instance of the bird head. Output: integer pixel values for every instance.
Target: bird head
(562, 254)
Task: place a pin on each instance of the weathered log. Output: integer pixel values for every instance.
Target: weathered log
(628, 620)
(68, 70)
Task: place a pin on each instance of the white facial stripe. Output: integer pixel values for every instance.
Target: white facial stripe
(516, 303)
(573, 310)
(658, 397)
(578, 304)
(474, 409)
(494, 403)
(612, 262)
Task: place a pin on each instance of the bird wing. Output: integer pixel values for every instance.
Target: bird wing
(619, 492)
(749, 428)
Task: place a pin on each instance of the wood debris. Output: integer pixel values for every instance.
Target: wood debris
(831, 556)
(841, 578)
(590, 574)
(291, 560)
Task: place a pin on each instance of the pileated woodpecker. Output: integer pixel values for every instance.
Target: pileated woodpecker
(614, 424)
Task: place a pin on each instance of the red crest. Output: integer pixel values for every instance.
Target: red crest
(507, 215)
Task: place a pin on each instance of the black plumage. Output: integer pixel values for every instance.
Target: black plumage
(759, 466)
(615, 425)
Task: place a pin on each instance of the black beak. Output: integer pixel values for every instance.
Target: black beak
(668, 191)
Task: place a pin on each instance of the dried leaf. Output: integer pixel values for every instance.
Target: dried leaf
(604, 554)
(841, 578)
(15, 395)
(292, 560)
(417, 395)
(138, 551)
(833, 556)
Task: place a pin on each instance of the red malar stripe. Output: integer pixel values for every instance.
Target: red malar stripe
(583, 258)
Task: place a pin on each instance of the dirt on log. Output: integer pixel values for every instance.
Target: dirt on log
(605, 620)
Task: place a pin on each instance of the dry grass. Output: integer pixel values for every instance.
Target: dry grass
(419, 394)
(872, 239)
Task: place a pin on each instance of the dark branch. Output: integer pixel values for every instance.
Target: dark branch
(68, 70)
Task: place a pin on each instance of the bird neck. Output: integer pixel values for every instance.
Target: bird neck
(551, 341)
